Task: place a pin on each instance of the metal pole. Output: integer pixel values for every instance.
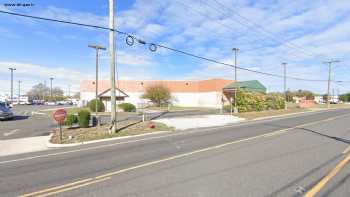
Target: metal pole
(329, 82)
(51, 78)
(19, 91)
(97, 48)
(112, 66)
(235, 95)
(12, 69)
(285, 85)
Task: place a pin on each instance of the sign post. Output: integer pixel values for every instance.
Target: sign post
(60, 115)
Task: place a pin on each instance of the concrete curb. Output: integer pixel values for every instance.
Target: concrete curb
(52, 145)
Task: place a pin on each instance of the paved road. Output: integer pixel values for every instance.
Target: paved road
(279, 157)
(28, 122)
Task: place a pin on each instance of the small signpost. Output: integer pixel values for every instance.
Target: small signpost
(60, 115)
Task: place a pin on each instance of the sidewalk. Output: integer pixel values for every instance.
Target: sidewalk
(23, 145)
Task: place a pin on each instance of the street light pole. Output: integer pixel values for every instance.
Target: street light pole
(329, 78)
(12, 69)
(235, 94)
(112, 66)
(19, 91)
(97, 48)
(285, 84)
(51, 78)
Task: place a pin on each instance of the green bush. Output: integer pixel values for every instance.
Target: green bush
(92, 105)
(127, 107)
(253, 101)
(70, 120)
(83, 118)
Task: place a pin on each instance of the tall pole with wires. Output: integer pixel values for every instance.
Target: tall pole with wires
(97, 48)
(112, 67)
(12, 69)
(285, 84)
(329, 78)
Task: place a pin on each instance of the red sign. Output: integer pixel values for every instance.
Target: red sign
(60, 115)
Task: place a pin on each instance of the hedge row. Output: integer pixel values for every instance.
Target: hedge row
(82, 119)
(252, 101)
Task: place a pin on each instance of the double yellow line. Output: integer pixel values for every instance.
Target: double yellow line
(63, 188)
(107, 176)
(322, 183)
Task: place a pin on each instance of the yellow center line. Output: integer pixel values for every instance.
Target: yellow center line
(346, 150)
(73, 187)
(313, 191)
(107, 175)
(58, 187)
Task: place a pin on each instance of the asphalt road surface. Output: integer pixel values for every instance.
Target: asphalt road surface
(278, 157)
(28, 122)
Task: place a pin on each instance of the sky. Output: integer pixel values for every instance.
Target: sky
(302, 33)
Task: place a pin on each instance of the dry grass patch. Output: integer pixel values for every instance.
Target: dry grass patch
(127, 128)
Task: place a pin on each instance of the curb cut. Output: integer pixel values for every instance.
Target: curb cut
(52, 145)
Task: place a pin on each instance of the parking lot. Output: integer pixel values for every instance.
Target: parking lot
(28, 122)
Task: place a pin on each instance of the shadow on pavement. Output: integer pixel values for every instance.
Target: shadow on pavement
(18, 117)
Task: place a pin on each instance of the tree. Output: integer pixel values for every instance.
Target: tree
(345, 97)
(158, 94)
(38, 92)
(76, 95)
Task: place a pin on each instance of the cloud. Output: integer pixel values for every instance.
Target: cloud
(32, 74)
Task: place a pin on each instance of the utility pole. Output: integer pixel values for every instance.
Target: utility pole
(329, 78)
(285, 84)
(19, 91)
(112, 66)
(235, 93)
(97, 48)
(12, 69)
(51, 78)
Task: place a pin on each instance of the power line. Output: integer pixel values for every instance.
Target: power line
(160, 45)
(262, 29)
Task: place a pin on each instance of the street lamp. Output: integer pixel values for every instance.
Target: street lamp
(235, 94)
(12, 69)
(51, 78)
(97, 48)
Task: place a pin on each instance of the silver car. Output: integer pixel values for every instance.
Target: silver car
(5, 112)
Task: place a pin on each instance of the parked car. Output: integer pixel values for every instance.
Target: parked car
(5, 111)
(50, 103)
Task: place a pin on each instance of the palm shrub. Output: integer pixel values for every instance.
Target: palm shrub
(127, 107)
(92, 105)
(84, 118)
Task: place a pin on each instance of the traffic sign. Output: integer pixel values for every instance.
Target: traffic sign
(60, 115)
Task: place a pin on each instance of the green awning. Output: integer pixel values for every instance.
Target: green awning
(253, 85)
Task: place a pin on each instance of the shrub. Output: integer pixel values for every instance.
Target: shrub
(158, 94)
(127, 107)
(92, 105)
(84, 118)
(71, 119)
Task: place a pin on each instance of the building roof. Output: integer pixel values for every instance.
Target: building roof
(210, 85)
(107, 93)
(253, 85)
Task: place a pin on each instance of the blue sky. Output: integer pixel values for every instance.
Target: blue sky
(301, 33)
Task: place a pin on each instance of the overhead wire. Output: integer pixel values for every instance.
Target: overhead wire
(161, 46)
(267, 32)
